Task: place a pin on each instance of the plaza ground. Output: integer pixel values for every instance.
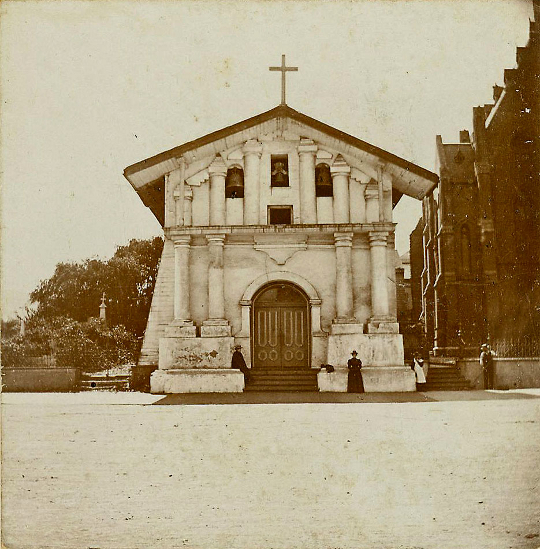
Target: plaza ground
(420, 471)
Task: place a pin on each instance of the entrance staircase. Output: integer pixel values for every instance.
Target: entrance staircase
(272, 380)
(96, 382)
(444, 375)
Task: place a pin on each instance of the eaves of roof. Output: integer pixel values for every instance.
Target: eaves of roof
(281, 111)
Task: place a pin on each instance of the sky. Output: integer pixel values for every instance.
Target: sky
(89, 88)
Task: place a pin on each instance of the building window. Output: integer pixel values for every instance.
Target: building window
(234, 183)
(280, 215)
(465, 250)
(280, 170)
(323, 181)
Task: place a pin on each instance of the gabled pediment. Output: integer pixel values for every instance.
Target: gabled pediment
(283, 124)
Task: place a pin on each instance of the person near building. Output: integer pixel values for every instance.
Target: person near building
(487, 364)
(238, 362)
(355, 383)
(418, 367)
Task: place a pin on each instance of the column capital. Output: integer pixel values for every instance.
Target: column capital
(378, 238)
(217, 166)
(188, 193)
(372, 189)
(343, 239)
(307, 146)
(215, 239)
(182, 241)
(340, 167)
(252, 147)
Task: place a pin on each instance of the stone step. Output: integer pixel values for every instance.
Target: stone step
(104, 384)
(445, 378)
(262, 380)
(281, 388)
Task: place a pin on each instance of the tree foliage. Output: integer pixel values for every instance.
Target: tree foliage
(127, 279)
(92, 346)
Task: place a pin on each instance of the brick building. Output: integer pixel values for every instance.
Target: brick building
(480, 267)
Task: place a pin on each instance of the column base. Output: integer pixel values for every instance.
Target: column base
(181, 328)
(376, 379)
(383, 325)
(216, 327)
(197, 381)
(349, 326)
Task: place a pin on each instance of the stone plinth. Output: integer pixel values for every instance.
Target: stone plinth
(195, 352)
(333, 382)
(376, 379)
(210, 380)
(383, 368)
(373, 349)
(388, 379)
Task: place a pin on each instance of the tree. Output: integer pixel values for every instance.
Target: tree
(128, 279)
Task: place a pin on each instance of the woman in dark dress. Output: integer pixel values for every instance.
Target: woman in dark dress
(355, 383)
(239, 363)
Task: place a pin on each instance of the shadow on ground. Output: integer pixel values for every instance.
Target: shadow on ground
(336, 398)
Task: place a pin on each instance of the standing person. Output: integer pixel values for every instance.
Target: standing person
(239, 363)
(486, 362)
(355, 383)
(418, 367)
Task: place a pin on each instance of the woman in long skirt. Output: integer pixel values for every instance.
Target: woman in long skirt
(355, 383)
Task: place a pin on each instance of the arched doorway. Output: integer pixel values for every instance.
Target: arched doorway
(281, 332)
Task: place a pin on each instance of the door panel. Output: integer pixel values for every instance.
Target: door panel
(267, 353)
(294, 349)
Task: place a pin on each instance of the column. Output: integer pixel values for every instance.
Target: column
(308, 199)
(252, 156)
(372, 202)
(379, 286)
(216, 325)
(340, 172)
(380, 176)
(218, 172)
(344, 292)
(188, 206)
(174, 193)
(182, 311)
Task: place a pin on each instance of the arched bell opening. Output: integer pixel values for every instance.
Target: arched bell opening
(323, 181)
(234, 183)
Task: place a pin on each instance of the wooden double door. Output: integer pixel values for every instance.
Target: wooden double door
(280, 328)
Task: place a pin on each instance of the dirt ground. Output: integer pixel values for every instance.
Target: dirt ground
(112, 470)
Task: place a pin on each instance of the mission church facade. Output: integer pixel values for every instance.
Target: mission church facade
(279, 238)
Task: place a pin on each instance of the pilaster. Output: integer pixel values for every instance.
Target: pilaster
(216, 325)
(371, 195)
(307, 151)
(182, 325)
(252, 155)
(340, 172)
(217, 171)
(381, 320)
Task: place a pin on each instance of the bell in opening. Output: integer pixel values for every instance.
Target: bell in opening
(323, 180)
(234, 183)
(280, 170)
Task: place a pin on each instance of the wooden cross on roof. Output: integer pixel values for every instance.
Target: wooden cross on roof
(283, 69)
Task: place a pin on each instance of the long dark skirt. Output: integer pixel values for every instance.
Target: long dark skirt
(355, 383)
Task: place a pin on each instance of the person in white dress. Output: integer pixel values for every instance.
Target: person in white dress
(418, 367)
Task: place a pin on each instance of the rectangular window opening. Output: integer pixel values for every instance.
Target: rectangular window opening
(280, 215)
